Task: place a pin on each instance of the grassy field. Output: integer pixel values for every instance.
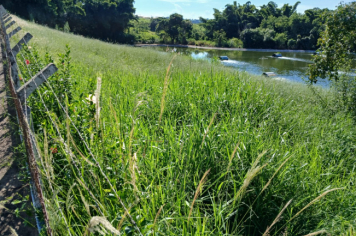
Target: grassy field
(195, 149)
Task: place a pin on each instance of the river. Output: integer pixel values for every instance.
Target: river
(292, 66)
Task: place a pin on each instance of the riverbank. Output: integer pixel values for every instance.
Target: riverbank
(221, 48)
(197, 149)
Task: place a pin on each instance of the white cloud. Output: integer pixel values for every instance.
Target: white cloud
(178, 8)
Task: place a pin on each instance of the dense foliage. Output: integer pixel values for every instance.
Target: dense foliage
(267, 27)
(337, 44)
(242, 26)
(335, 59)
(247, 25)
(177, 28)
(103, 19)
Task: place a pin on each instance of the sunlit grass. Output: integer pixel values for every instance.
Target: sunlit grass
(223, 155)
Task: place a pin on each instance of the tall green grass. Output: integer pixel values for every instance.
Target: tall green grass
(196, 150)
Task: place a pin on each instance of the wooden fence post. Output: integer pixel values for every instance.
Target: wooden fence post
(19, 95)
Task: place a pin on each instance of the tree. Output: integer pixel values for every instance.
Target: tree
(281, 40)
(236, 20)
(103, 19)
(337, 44)
(220, 38)
(154, 23)
(175, 27)
(288, 10)
(252, 38)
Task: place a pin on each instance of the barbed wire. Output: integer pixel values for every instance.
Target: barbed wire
(87, 147)
(31, 134)
(61, 137)
(25, 130)
(56, 126)
(81, 137)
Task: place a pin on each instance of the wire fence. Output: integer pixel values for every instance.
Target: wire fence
(20, 91)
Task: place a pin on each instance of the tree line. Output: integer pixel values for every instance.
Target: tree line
(247, 25)
(102, 19)
(267, 26)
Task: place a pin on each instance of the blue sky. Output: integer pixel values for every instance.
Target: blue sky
(193, 9)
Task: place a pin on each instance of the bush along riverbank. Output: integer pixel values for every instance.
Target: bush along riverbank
(221, 48)
(189, 147)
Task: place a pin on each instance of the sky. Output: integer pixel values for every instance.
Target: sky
(193, 9)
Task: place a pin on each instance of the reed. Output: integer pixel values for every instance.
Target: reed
(207, 129)
(314, 201)
(198, 191)
(267, 232)
(156, 218)
(147, 137)
(165, 88)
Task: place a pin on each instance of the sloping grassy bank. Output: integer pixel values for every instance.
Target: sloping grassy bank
(198, 150)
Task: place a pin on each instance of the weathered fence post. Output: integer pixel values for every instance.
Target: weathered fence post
(14, 31)
(7, 20)
(20, 94)
(30, 86)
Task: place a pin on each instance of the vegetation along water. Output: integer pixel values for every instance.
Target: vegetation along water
(190, 147)
(292, 66)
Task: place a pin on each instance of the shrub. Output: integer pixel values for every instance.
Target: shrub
(235, 43)
(281, 40)
(191, 41)
(252, 38)
(292, 44)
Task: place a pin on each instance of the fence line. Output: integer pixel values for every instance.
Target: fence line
(20, 95)
(24, 120)
(23, 98)
(87, 147)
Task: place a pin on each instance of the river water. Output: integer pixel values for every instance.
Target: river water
(291, 67)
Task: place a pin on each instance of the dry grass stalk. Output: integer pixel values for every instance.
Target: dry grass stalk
(266, 233)
(123, 219)
(47, 161)
(275, 173)
(132, 168)
(68, 134)
(69, 199)
(131, 137)
(75, 213)
(251, 174)
(207, 130)
(13, 232)
(198, 191)
(104, 223)
(85, 202)
(232, 156)
(314, 201)
(156, 218)
(97, 102)
(101, 206)
(269, 182)
(165, 88)
(318, 232)
(255, 163)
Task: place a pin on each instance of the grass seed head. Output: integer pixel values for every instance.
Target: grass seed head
(97, 221)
